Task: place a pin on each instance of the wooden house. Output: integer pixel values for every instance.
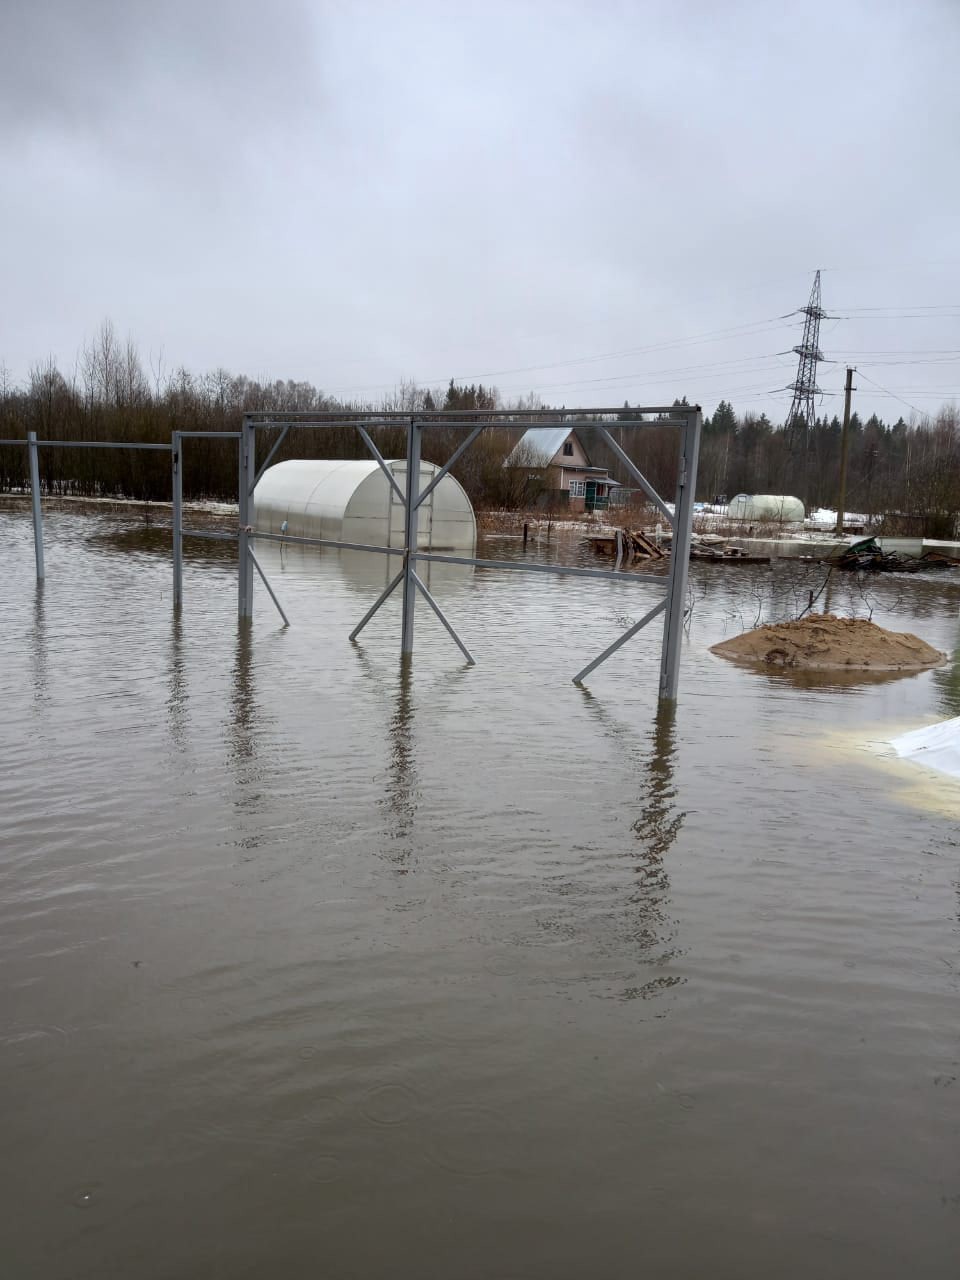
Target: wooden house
(556, 458)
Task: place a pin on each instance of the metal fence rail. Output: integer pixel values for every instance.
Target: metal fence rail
(685, 419)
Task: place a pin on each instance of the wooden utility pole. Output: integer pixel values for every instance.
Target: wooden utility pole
(844, 447)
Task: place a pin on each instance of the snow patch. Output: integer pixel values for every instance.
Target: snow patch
(936, 747)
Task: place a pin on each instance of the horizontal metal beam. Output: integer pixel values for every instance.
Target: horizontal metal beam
(468, 424)
(125, 444)
(102, 444)
(327, 542)
(528, 566)
(522, 565)
(260, 417)
(211, 435)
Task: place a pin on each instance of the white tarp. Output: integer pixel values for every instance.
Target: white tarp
(936, 747)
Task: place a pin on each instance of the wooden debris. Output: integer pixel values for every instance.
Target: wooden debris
(635, 544)
(868, 556)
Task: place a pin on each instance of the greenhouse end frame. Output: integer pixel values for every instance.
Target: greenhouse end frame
(686, 419)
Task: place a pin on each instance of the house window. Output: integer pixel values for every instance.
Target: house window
(578, 488)
(568, 449)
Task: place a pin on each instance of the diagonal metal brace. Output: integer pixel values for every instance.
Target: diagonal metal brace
(627, 635)
(638, 475)
(368, 441)
(263, 577)
(382, 598)
(266, 462)
(461, 448)
(440, 614)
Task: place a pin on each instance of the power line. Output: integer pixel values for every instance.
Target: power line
(921, 306)
(752, 329)
(890, 393)
(746, 364)
(954, 314)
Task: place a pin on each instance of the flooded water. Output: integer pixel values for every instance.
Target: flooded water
(313, 967)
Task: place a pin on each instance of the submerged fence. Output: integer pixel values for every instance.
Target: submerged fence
(687, 420)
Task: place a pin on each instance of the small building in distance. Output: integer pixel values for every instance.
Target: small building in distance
(766, 507)
(554, 458)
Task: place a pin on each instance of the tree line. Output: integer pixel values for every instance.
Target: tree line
(912, 469)
(907, 471)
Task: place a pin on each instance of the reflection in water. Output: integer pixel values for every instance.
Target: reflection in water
(38, 647)
(403, 792)
(154, 541)
(244, 720)
(836, 679)
(363, 570)
(660, 822)
(653, 928)
(177, 698)
(315, 1035)
(947, 681)
(243, 702)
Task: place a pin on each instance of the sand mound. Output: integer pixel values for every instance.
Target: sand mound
(822, 641)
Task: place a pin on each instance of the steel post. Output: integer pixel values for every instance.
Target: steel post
(35, 502)
(246, 477)
(680, 555)
(411, 532)
(175, 455)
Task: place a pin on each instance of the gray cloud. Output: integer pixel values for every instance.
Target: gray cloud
(353, 193)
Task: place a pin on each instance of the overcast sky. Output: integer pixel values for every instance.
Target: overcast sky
(355, 193)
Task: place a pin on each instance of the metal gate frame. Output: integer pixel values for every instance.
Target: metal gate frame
(686, 419)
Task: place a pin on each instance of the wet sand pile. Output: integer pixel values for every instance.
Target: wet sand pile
(823, 641)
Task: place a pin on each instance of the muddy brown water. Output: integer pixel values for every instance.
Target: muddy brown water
(315, 968)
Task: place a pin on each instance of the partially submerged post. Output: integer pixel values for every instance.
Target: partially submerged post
(411, 531)
(35, 503)
(247, 479)
(680, 556)
(177, 479)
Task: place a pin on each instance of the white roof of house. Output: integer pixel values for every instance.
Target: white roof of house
(538, 446)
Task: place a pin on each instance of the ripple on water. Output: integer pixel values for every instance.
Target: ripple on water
(389, 1104)
(32, 1039)
(86, 1196)
(473, 1141)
